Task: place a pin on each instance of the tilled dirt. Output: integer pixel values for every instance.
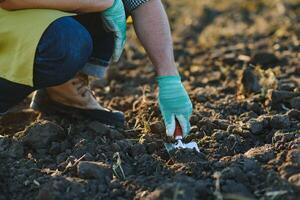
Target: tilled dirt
(240, 63)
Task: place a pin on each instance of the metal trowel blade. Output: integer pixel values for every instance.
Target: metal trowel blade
(171, 147)
(178, 143)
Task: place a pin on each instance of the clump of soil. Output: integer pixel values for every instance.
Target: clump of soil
(239, 61)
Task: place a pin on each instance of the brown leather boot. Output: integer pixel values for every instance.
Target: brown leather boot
(75, 96)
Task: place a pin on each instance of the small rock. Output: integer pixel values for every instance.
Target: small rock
(219, 135)
(41, 134)
(295, 102)
(289, 86)
(194, 119)
(277, 97)
(115, 147)
(21, 116)
(61, 188)
(250, 81)
(293, 113)
(247, 116)
(255, 107)
(98, 127)
(195, 136)
(261, 154)
(201, 98)
(222, 124)
(288, 169)
(249, 165)
(151, 147)
(124, 144)
(230, 58)
(157, 127)
(233, 172)
(265, 59)
(284, 137)
(94, 170)
(115, 135)
(280, 121)
(293, 156)
(295, 179)
(255, 126)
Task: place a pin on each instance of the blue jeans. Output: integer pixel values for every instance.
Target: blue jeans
(69, 45)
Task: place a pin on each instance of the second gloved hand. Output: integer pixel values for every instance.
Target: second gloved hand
(114, 19)
(174, 102)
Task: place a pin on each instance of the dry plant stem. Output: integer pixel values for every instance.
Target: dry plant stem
(217, 193)
(70, 165)
(118, 165)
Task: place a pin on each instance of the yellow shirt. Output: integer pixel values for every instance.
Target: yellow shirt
(20, 32)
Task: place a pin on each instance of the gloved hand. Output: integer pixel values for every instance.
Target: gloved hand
(174, 102)
(114, 19)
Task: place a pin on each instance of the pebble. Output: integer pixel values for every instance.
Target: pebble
(295, 179)
(262, 153)
(41, 134)
(293, 113)
(250, 81)
(265, 59)
(295, 102)
(255, 126)
(280, 121)
(280, 136)
(94, 170)
(98, 127)
(157, 127)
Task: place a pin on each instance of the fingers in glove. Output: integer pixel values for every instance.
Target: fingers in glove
(184, 123)
(170, 125)
(118, 49)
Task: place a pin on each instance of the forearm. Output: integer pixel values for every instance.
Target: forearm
(64, 5)
(153, 30)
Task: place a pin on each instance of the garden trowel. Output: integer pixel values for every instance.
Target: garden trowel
(179, 144)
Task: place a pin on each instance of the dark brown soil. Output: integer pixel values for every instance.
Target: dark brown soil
(240, 63)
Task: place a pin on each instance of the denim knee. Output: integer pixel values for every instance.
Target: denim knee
(63, 50)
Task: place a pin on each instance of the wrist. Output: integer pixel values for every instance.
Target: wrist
(164, 81)
(166, 69)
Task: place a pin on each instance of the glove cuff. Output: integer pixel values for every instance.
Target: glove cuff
(168, 79)
(112, 6)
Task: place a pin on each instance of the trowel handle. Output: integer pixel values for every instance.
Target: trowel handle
(178, 130)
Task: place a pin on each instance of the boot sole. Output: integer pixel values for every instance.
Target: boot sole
(111, 118)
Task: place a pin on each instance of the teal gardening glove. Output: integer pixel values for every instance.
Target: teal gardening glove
(114, 19)
(174, 102)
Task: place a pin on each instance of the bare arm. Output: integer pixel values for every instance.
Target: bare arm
(153, 29)
(64, 5)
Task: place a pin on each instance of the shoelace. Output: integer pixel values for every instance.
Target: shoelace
(83, 85)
